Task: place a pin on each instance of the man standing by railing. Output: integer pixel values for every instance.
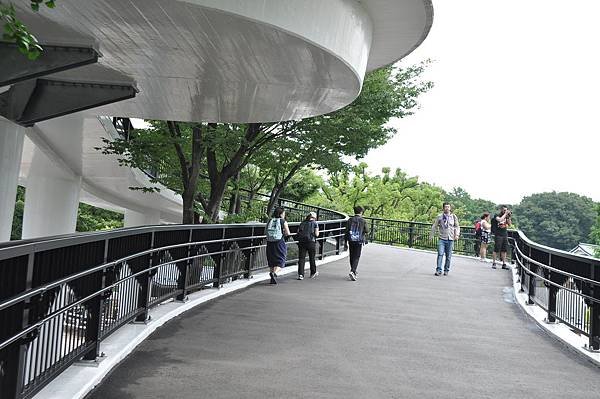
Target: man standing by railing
(500, 224)
(449, 231)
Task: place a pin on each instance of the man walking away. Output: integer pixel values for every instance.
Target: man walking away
(448, 228)
(356, 232)
(500, 224)
(308, 231)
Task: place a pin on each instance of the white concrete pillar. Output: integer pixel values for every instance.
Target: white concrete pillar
(51, 199)
(147, 218)
(11, 149)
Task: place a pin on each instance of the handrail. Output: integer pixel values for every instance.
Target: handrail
(101, 280)
(63, 310)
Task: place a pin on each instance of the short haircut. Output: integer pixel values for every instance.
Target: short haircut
(485, 214)
(358, 209)
(445, 203)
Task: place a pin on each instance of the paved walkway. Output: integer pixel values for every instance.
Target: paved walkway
(398, 332)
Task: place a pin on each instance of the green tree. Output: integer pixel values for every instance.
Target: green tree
(330, 141)
(91, 218)
(16, 32)
(559, 220)
(595, 231)
(466, 208)
(390, 197)
(17, 224)
(181, 152)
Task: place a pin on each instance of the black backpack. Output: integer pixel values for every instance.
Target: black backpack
(305, 231)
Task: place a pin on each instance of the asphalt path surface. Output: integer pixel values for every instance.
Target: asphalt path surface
(397, 332)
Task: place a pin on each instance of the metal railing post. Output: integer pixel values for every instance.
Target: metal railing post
(95, 309)
(522, 276)
(337, 239)
(219, 264)
(182, 283)
(146, 281)
(411, 227)
(251, 257)
(552, 292)
(531, 291)
(13, 362)
(594, 338)
(321, 242)
(372, 231)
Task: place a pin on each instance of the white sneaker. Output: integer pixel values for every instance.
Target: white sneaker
(300, 277)
(314, 275)
(352, 276)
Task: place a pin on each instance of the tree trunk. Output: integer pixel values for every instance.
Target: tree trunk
(188, 207)
(189, 169)
(280, 186)
(220, 177)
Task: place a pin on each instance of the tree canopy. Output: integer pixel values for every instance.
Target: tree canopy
(559, 220)
(182, 152)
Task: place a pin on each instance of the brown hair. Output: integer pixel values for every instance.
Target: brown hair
(485, 215)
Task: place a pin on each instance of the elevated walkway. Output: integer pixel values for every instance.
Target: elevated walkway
(398, 332)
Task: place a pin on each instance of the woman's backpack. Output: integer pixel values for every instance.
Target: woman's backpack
(275, 229)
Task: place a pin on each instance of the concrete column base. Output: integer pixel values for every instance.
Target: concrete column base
(51, 199)
(11, 149)
(147, 218)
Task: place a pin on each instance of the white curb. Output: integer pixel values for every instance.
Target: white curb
(77, 381)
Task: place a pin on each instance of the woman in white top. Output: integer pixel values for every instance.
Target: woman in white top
(486, 233)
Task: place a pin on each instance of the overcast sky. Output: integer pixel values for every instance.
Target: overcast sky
(515, 106)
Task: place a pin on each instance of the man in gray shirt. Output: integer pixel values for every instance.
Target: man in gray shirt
(448, 228)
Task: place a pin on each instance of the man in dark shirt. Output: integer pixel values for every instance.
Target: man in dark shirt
(356, 233)
(500, 224)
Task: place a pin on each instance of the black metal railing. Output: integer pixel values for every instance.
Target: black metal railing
(61, 296)
(418, 235)
(566, 285)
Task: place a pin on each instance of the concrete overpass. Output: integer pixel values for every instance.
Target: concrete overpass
(200, 60)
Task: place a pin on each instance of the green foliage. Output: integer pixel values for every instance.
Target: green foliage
(595, 230)
(468, 209)
(558, 220)
(91, 218)
(15, 31)
(303, 185)
(386, 196)
(17, 224)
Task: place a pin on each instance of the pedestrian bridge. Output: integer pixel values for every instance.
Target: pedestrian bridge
(398, 332)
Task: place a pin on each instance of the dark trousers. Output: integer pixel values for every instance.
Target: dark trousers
(303, 248)
(355, 250)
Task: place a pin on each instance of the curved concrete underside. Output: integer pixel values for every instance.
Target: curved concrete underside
(233, 61)
(69, 142)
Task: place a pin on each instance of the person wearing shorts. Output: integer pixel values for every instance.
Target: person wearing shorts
(500, 225)
(486, 234)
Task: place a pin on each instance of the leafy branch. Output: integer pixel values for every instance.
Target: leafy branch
(16, 32)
